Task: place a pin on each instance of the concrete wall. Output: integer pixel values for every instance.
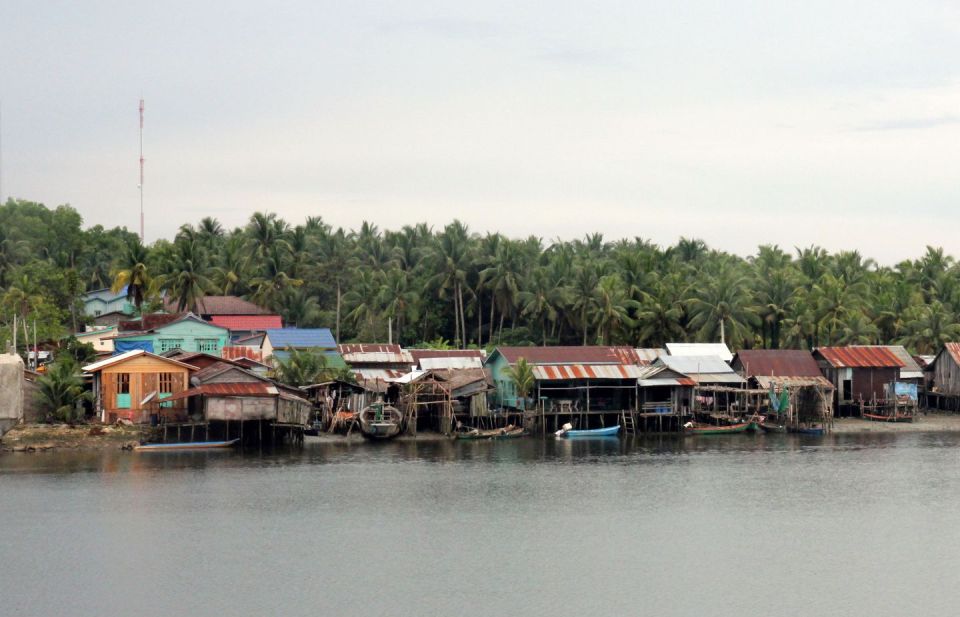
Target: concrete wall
(11, 391)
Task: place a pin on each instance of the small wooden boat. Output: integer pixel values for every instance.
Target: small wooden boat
(900, 417)
(696, 428)
(493, 433)
(610, 431)
(186, 445)
(768, 426)
(380, 421)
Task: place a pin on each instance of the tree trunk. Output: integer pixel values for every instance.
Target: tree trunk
(583, 320)
(493, 305)
(456, 316)
(390, 330)
(463, 318)
(722, 337)
(338, 311)
(500, 331)
(479, 320)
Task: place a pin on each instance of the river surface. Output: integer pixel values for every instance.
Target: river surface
(727, 525)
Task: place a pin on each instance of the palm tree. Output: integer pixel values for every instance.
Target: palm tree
(302, 367)
(61, 390)
(132, 273)
(723, 307)
(270, 286)
(364, 299)
(503, 280)
(232, 275)
(542, 299)
(521, 375)
(449, 259)
(929, 327)
(187, 280)
(335, 259)
(583, 290)
(398, 301)
(613, 307)
(661, 314)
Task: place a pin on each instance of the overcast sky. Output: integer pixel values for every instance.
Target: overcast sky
(822, 122)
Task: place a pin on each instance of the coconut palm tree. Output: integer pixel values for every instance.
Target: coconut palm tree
(61, 390)
(186, 281)
(723, 307)
(521, 375)
(132, 274)
(613, 308)
(449, 259)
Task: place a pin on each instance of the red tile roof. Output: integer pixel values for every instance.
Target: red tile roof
(778, 362)
(571, 355)
(223, 305)
(247, 322)
(860, 356)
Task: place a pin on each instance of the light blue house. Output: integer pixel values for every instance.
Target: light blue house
(277, 342)
(188, 332)
(104, 301)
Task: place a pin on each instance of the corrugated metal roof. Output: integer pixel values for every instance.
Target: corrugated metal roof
(910, 368)
(247, 322)
(778, 362)
(420, 354)
(260, 389)
(458, 362)
(373, 374)
(123, 357)
(301, 338)
(235, 352)
(764, 381)
(558, 372)
(700, 349)
(375, 354)
(692, 365)
(654, 382)
(649, 355)
(860, 356)
(571, 355)
(223, 305)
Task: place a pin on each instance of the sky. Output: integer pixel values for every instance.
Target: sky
(835, 123)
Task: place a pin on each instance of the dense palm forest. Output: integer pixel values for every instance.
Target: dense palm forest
(451, 286)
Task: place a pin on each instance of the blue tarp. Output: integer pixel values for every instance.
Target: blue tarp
(906, 390)
(125, 346)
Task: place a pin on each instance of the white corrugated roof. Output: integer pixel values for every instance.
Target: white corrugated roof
(96, 366)
(719, 350)
(692, 365)
(450, 363)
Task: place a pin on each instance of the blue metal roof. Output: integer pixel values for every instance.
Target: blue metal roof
(300, 338)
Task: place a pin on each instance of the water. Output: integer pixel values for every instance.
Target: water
(730, 525)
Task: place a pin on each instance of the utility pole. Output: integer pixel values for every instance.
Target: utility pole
(140, 186)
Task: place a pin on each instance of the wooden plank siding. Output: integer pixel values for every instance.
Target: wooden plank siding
(144, 374)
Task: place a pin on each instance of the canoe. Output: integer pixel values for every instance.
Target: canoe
(380, 421)
(768, 427)
(187, 445)
(893, 418)
(712, 429)
(610, 431)
(493, 433)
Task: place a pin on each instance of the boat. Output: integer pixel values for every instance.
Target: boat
(610, 431)
(897, 417)
(506, 432)
(186, 445)
(697, 428)
(768, 426)
(380, 421)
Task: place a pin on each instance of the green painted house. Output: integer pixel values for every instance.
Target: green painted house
(104, 302)
(186, 331)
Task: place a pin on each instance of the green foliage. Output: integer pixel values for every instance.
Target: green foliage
(418, 284)
(521, 374)
(61, 391)
(303, 367)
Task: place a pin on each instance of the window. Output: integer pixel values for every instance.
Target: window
(166, 383)
(166, 344)
(123, 383)
(207, 345)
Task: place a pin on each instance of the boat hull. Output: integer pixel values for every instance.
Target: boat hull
(709, 429)
(808, 430)
(197, 445)
(895, 418)
(611, 431)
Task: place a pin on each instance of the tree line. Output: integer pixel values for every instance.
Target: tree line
(450, 286)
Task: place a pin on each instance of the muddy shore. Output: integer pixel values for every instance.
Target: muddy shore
(43, 437)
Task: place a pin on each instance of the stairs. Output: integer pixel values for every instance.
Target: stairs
(629, 422)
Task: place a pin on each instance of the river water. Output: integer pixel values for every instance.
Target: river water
(728, 525)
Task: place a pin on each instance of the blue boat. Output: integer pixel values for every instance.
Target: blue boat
(594, 432)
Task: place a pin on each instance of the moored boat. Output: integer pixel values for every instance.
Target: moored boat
(186, 445)
(610, 431)
(807, 430)
(697, 428)
(493, 433)
(897, 417)
(380, 421)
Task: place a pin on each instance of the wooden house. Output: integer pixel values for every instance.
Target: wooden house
(375, 361)
(860, 374)
(161, 333)
(133, 386)
(944, 378)
(810, 394)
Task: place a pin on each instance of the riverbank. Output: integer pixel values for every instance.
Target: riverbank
(41, 437)
(929, 423)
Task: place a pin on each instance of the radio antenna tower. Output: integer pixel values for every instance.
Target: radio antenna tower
(140, 186)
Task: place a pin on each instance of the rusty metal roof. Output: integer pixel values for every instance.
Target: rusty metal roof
(571, 355)
(259, 389)
(558, 372)
(649, 355)
(355, 353)
(777, 363)
(860, 356)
